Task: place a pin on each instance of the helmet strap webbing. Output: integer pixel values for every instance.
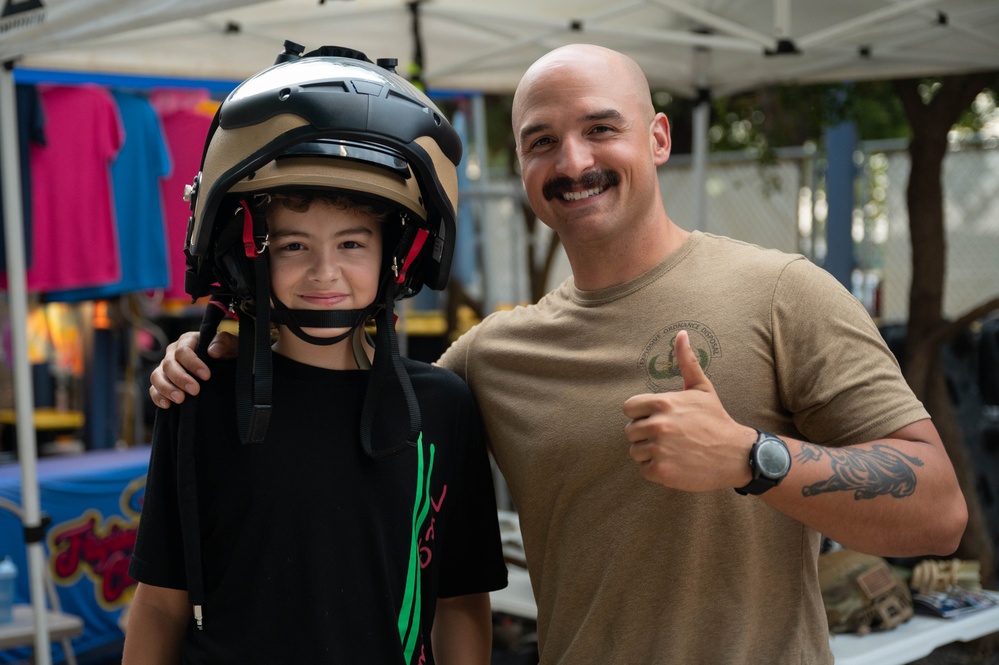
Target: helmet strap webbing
(296, 319)
(253, 380)
(388, 386)
(187, 476)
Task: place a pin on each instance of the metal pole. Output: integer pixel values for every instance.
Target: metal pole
(23, 391)
(702, 112)
(701, 120)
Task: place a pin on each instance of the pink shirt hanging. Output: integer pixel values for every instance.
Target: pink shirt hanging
(75, 236)
(186, 130)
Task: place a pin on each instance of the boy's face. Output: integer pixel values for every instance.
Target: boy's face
(324, 258)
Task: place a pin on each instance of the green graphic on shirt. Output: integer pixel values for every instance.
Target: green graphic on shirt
(409, 615)
(670, 367)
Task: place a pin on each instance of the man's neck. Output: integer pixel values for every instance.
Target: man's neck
(610, 264)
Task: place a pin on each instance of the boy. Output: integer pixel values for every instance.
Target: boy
(316, 510)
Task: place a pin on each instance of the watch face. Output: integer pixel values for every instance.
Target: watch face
(773, 458)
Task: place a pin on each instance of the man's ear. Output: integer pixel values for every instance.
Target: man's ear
(661, 143)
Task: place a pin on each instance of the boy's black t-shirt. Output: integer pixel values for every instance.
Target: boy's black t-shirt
(310, 548)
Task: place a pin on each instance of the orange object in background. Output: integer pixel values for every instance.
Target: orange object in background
(102, 321)
(64, 331)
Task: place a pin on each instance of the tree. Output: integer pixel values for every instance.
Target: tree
(931, 111)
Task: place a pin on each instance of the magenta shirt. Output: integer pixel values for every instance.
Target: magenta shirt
(75, 240)
(185, 131)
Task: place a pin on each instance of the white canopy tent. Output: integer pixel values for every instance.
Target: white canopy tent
(683, 45)
(693, 48)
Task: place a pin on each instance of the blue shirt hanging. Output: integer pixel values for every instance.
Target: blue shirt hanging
(136, 173)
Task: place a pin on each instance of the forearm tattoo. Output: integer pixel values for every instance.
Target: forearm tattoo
(867, 473)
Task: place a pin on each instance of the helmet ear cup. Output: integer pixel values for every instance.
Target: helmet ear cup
(235, 270)
(407, 259)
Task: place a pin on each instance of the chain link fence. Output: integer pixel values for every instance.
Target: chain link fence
(971, 216)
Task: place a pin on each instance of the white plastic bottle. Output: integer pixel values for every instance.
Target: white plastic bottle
(8, 576)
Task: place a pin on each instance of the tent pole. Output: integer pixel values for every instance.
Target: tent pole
(702, 112)
(701, 120)
(23, 395)
(840, 143)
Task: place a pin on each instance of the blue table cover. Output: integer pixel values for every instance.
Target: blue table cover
(94, 501)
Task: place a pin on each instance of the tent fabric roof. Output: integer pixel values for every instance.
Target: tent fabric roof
(683, 45)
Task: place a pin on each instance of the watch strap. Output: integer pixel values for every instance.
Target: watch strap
(759, 483)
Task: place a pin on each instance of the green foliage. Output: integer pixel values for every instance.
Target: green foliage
(792, 115)
(499, 137)
(983, 110)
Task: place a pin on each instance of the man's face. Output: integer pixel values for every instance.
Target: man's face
(587, 149)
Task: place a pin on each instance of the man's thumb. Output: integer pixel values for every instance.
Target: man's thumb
(690, 367)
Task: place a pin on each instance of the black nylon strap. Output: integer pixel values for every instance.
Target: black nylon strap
(388, 377)
(296, 319)
(319, 318)
(187, 479)
(253, 379)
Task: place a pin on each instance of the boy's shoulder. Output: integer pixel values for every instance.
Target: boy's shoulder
(434, 375)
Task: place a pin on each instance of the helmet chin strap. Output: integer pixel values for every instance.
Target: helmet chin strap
(297, 319)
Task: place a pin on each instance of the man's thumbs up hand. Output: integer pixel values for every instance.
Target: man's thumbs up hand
(693, 374)
(686, 440)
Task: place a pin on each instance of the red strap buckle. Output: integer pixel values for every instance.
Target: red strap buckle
(249, 242)
(414, 251)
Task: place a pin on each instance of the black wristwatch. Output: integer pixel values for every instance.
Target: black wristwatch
(769, 462)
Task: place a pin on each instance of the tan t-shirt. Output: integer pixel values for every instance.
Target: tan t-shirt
(630, 572)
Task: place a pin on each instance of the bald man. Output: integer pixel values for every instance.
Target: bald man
(681, 419)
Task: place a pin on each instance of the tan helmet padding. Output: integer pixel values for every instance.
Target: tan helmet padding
(227, 149)
(230, 147)
(447, 173)
(333, 173)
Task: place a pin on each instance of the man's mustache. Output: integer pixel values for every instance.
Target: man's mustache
(598, 179)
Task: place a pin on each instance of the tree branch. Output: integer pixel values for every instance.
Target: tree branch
(947, 332)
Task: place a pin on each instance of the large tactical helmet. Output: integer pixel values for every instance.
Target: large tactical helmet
(328, 119)
(331, 120)
(861, 593)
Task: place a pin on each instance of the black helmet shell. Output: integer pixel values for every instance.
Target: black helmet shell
(331, 122)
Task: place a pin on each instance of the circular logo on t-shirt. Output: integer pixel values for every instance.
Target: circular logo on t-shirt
(658, 360)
